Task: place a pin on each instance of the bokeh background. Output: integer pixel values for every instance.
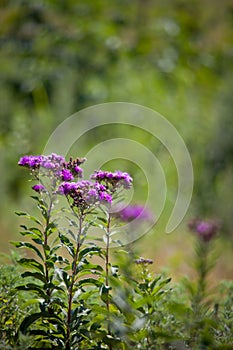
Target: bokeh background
(58, 57)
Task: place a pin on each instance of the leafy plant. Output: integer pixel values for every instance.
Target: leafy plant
(73, 295)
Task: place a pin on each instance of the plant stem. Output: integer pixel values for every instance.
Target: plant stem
(107, 273)
(45, 243)
(71, 287)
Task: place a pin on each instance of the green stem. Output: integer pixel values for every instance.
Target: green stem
(107, 274)
(71, 287)
(45, 243)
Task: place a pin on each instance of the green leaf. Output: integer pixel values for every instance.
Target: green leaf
(33, 288)
(31, 263)
(34, 232)
(28, 216)
(68, 244)
(102, 219)
(35, 275)
(104, 292)
(51, 228)
(89, 280)
(29, 246)
(54, 249)
(154, 282)
(29, 320)
(84, 252)
(31, 302)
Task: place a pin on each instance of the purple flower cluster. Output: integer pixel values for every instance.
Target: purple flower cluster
(205, 229)
(113, 180)
(30, 161)
(85, 193)
(132, 212)
(52, 161)
(54, 167)
(66, 175)
(74, 168)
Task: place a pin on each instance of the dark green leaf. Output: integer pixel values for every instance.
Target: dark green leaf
(89, 280)
(31, 263)
(35, 275)
(29, 246)
(84, 252)
(28, 216)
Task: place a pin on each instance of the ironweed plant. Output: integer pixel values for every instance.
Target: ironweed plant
(69, 293)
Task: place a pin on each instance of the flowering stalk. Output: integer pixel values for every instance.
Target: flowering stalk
(83, 197)
(113, 183)
(45, 244)
(205, 231)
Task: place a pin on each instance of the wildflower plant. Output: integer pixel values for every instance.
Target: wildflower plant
(64, 286)
(77, 295)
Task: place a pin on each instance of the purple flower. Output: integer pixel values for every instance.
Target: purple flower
(67, 188)
(132, 212)
(30, 161)
(52, 161)
(85, 194)
(78, 170)
(38, 188)
(66, 175)
(73, 166)
(205, 229)
(113, 180)
(105, 197)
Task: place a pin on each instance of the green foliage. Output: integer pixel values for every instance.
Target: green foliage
(175, 57)
(85, 301)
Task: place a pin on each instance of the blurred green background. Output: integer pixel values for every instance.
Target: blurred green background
(60, 56)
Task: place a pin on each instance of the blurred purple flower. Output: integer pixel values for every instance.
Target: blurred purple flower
(132, 212)
(205, 229)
